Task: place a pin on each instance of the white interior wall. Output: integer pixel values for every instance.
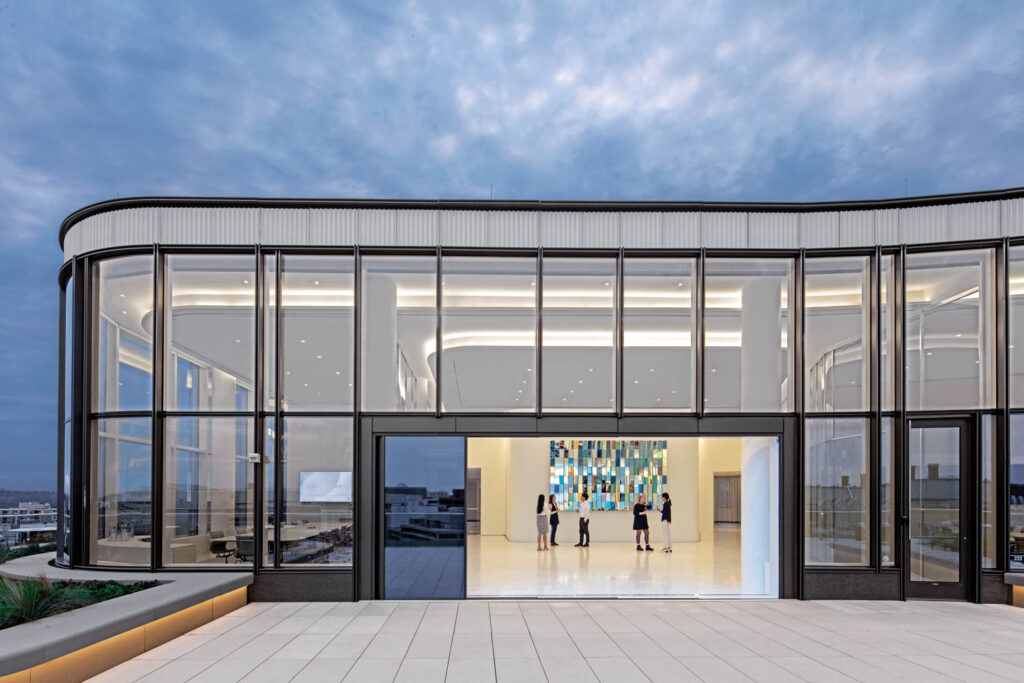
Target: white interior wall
(491, 456)
(716, 455)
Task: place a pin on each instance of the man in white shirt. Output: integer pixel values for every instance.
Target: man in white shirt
(584, 522)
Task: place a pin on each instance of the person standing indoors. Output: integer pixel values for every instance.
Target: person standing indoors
(666, 522)
(640, 523)
(553, 509)
(542, 524)
(584, 522)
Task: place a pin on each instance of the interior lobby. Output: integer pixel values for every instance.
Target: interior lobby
(724, 531)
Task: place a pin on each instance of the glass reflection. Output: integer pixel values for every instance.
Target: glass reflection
(887, 331)
(887, 492)
(934, 459)
(950, 317)
(316, 514)
(208, 491)
(210, 328)
(488, 334)
(579, 335)
(424, 517)
(989, 528)
(399, 333)
(836, 323)
(658, 355)
(122, 344)
(120, 483)
(317, 332)
(748, 325)
(836, 492)
(1016, 512)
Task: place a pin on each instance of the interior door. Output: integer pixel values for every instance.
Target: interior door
(424, 517)
(937, 525)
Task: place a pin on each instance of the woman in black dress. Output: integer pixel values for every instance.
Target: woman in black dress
(640, 523)
(553, 509)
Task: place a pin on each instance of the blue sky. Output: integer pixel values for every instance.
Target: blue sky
(582, 100)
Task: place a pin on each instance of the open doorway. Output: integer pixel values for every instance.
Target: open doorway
(724, 511)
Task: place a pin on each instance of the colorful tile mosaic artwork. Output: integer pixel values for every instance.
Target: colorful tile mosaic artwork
(613, 472)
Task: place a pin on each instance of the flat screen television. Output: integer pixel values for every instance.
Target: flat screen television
(325, 487)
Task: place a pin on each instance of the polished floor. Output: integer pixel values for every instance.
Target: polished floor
(497, 568)
(594, 640)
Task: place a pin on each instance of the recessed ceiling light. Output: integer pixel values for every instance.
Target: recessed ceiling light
(606, 284)
(928, 354)
(517, 399)
(714, 369)
(679, 284)
(124, 312)
(318, 356)
(524, 381)
(316, 282)
(305, 384)
(288, 372)
(659, 400)
(121, 295)
(590, 369)
(302, 341)
(533, 284)
(572, 391)
(579, 381)
(636, 381)
(245, 282)
(564, 399)
(652, 370)
(531, 369)
(238, 341)
(959, 335)
(519, 391)
(673, 391)
(337, 372)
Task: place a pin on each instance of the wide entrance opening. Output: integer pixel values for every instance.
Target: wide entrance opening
(461, 517)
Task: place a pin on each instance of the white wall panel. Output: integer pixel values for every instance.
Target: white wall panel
(184, 225)
(857, 229)
(333, 227)
(773, 231)
(418, 228)
(600, 229)
(377, 226)
(132, 227)
(513, 229)
(1012, 217)
(284, 226)
(977, 220)
(560, 228)
(723, 230)
(681, 230)
(819, 230)
(923, 224)
(642, 229)
(72, 244)
(464, 228)
(95, 231)
(887, 226)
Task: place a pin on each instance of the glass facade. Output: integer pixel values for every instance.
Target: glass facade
(950, 322)
(747, 328)
(837, 517)
(836, 325)
(578, 342)
(634, 333)
(399, 317)
(659, 328)
(489, 334)
(210, 331)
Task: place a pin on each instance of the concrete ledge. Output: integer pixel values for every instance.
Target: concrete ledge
(182, 602)
(1016, 579)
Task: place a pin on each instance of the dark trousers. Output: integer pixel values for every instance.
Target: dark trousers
(554, 530)
(584, 531)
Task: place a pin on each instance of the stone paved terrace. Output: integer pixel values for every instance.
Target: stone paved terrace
(611, 641)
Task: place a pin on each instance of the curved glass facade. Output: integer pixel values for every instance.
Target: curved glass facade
(224, 387)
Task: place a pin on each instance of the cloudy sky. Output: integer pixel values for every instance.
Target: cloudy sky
(788, 101)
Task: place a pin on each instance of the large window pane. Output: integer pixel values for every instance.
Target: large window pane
(69, 344)
(317, 327)
(399, 333)
(316, 517)
(748, 326)
(887, 331)
(210, 331)
(989, 527)
(208, 491)
(488, 334)
(658, 330)
(122, 342)
(887, 493)
(837, 517)
(1015, 353)
(579, 335)
(269, 490)
(120, 492)
(1016, 522)
(270, 331)
(836, 323)
(950, 315)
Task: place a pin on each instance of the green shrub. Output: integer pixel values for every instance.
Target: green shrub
(14, 553)
(22, 601)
